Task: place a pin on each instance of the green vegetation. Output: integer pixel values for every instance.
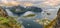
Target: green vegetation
(30, 15)
(3, 20)
(9, 22)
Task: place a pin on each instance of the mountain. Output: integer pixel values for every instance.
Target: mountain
(7, 21)
(19, 10)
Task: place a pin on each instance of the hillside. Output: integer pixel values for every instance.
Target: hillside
(7, 21)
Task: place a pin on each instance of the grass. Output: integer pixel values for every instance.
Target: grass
(9, 23)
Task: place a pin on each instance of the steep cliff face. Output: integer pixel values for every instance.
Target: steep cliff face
(6, 21)
(56, 22)
(2, 13)
(57, 25)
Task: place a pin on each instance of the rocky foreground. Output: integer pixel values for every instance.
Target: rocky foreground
(7, 21)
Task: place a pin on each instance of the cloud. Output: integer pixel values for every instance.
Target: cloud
(51, 2)
(41, 3)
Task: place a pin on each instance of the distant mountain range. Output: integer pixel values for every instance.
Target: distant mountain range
(21, 10)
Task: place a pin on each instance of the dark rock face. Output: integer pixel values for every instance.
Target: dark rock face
(57, 25)
(3, 13)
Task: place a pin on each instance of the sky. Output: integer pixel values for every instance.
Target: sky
(32, 2)
(39, 3)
